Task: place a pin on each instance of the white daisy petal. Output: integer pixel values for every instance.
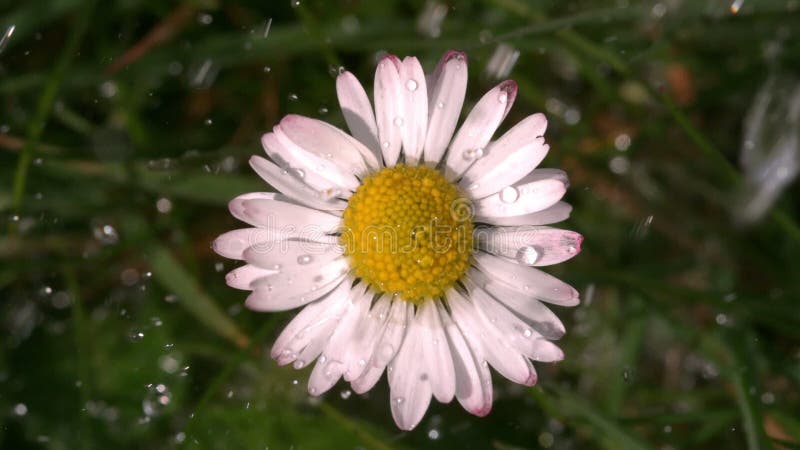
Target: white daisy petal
(517, 333)
(413, 120)
(559, 212)
(319, 173)
(473, 380)
(290, 185)
(527, 280)
(388, 107)
(531, 246)
(291, 255)
(288, 290)
(278, 213)
(495, 347)
(478, 128)
(241, 277)
(314, 323)
(324, 375)
(534, 312)
(410, 392)
(386, 347)
(447, 90)
(233, 243)
(357, 112)
(536, 192)
(508, 159)
(329, 142)
(236, 206)
(365, 338)
(334, 360)
(436, 353)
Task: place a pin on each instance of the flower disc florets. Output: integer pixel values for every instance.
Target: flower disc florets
(408, 231)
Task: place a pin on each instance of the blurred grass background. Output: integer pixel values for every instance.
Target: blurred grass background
(126, 126)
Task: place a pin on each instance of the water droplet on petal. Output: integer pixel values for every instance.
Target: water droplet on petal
(412, 85)
(509, 194)
(304, 259)
(473, 153)
(528, 255)
(398, 121)
(502, 98)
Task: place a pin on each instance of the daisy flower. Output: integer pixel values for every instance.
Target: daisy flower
(412, 247)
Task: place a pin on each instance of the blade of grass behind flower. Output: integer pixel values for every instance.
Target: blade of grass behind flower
(176, 279)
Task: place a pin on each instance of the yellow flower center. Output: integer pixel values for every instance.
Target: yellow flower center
(408, 231)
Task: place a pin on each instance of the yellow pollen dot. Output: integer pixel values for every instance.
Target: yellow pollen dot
(405, 232)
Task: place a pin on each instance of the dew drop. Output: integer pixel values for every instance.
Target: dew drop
(502, 98)
(509, 194)
(398, 121)
(472, 154)
(528, 255)
(440, 105)
(399, 400)
(412, 85)
(304, 259)
(386, 144)
(300, 173)
(345, 394)
(135, 336)
(293, 97)
(527, 332)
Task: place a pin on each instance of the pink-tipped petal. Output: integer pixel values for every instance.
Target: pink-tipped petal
(527, 280)
(479, 127)
(508, 159)
(449, 87)
(530, 246)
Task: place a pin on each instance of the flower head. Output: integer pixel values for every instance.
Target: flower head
(412, 247)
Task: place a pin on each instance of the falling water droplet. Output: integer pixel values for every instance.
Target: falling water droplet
(6, 37)
(509, 194)
(528, 255)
